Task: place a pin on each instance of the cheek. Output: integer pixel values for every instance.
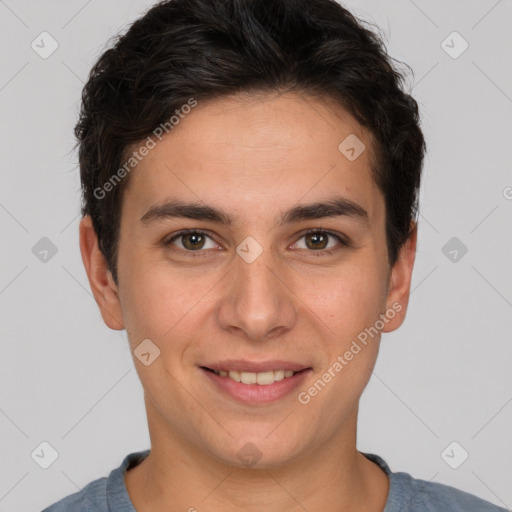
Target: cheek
(161, 304)
(350, 308)
(347, 299)
(151, 307)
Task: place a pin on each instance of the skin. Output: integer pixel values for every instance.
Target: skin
(253, 157)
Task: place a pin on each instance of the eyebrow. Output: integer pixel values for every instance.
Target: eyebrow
(332, 207)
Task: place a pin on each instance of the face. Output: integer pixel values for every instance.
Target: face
(283, 266)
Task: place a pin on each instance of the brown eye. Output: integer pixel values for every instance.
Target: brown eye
(321, 242)
(192, 241)
(317, 240)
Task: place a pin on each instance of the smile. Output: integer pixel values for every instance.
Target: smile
(261, 378)
(256, 387)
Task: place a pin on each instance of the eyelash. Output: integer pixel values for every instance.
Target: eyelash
(342, 241)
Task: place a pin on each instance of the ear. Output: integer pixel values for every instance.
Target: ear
(104, 289)
(400, 282)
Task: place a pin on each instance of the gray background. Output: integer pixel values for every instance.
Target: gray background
(444, 376)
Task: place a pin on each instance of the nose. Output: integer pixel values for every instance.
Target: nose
(257, 301)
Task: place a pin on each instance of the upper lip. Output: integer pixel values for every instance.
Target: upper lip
(242, 365)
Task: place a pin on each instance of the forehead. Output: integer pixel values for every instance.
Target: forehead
(259, 152)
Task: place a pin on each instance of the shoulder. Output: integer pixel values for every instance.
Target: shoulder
(92, 498)
(104, 494)
(414, 495)
(422, 496)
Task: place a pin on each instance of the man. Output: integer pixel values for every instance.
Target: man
(250, 173)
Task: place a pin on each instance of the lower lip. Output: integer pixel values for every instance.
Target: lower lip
(256, 393)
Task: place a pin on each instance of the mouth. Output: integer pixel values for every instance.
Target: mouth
(260, 378)
(256, 383)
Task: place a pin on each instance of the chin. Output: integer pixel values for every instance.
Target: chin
(257, 452)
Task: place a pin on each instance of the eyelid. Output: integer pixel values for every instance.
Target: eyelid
(343, 240)
(335, 234)
(169, 240)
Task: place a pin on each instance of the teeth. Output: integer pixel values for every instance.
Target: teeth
(248, 377)
(262, 378)
(279, 375)
(234, 376)
(265, 378)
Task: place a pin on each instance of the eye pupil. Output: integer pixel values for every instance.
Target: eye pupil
(319, 240)
(193, 240)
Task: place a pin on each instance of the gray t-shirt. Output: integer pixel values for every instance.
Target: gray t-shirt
(406, 494)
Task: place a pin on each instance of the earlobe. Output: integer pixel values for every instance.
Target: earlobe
(400, 282)
(104, 289)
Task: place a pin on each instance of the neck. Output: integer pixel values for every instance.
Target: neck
(333, 477)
